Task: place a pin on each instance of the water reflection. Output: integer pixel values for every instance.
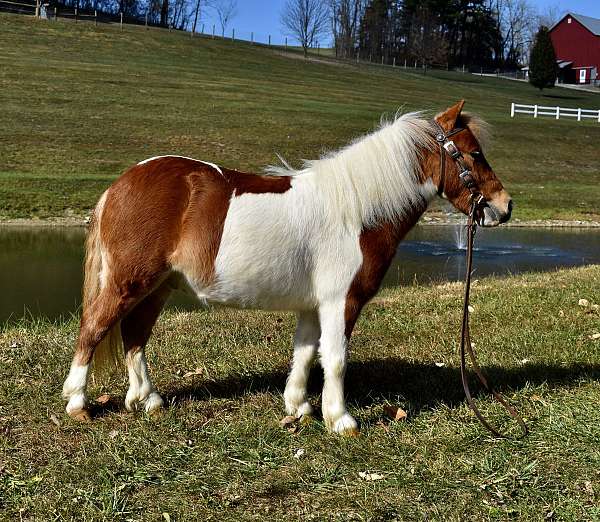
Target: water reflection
(41, 268)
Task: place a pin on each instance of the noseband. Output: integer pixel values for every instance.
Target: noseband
(447, 146)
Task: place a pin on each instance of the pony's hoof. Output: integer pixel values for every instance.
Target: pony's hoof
(153, 404)
(345, 425)
(82, 415)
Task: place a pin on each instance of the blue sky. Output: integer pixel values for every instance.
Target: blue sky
(262, 16)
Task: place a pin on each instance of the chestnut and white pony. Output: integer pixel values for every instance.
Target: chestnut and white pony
(317, 241)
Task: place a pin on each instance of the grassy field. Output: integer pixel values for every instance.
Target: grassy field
(218, 452)
(80, 104)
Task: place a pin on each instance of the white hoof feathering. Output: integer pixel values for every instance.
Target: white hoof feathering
(299, 411)
(153, 402)
(77, 402)
(345, 424)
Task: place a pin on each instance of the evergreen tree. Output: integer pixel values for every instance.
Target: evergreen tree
(542, 61)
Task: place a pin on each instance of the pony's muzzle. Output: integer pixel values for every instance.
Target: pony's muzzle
(498, 210)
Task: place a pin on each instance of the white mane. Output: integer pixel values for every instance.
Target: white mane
(375, 178)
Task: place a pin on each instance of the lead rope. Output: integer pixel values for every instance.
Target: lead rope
(465, 340)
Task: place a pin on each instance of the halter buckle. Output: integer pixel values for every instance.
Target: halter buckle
(452, 150)
(467, 179)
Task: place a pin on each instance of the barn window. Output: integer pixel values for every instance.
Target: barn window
(569, 20)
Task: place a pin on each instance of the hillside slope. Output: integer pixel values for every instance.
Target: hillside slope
(81, 103)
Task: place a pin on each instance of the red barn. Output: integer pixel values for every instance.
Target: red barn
(576, 41)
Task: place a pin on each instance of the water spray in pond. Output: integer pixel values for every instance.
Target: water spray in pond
(460, 236)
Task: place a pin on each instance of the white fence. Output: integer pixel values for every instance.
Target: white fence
(555, 112)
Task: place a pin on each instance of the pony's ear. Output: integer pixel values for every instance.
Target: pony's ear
(449, 117)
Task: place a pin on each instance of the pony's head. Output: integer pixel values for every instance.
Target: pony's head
(468, 134)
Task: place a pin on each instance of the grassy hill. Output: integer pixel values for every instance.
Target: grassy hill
(81, 103)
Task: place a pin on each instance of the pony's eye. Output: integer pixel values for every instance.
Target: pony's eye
(475, 154)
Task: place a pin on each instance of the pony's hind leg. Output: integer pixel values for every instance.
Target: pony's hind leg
(97, 321)
(136, 329)
(306, 341)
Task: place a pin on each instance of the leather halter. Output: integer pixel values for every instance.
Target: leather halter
(447, 146)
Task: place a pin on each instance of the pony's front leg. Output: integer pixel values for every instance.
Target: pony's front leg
(306, 341)
(332, 349)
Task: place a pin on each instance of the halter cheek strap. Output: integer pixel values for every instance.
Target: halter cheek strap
(446, 145)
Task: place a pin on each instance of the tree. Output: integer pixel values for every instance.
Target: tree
(226, 10)
(345, 21)
(542, 62)
(305, 20)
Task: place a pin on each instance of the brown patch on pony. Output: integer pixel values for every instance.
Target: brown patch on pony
(165, 212)
(378, 246)
(245, 183)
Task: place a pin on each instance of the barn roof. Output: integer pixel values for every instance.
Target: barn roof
(591, 24)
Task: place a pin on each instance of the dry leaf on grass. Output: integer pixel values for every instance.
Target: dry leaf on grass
(584, 302)
(197, 371)
(395, 413)
(103, 399)
(369, 476)
(299, 454)
(54, 419)
(594, 337)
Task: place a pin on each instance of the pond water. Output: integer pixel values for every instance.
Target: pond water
(41, 268)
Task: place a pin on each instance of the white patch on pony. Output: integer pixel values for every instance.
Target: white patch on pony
(74, 387)
(216, 167)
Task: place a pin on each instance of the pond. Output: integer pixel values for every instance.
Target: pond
(41, 267)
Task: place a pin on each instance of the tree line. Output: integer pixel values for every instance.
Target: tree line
(472, 33)
(178, 14)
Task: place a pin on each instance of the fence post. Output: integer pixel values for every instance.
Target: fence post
(557, 113)
(535, 111)
(233, 34)
(578, 114)
(269, 40)
(598, 115)
(286, 43)
(405, 63)
(318, 48)
(415, 64)
(146, 19)
(75, 15)
(222, 32)
(202, 31)
(213, 35)
(252, 37)
(512, 110)
(463, 68)
(95, 18)
(382, 59)
(121, 20)
(394, 63)
(37, 8)
(55, 13)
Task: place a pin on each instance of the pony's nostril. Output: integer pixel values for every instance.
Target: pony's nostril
(510, 206)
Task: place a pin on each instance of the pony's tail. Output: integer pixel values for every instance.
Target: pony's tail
(109, 352)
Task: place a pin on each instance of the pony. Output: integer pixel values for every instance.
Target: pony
(316, 241)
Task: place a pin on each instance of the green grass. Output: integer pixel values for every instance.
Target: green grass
(82, 103)
(218, 453)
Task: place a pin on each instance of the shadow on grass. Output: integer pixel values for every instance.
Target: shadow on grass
(421, 386)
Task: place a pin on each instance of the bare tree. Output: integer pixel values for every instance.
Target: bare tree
(345, 22)
(305, 20)
(226, 11)
(197, 8)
